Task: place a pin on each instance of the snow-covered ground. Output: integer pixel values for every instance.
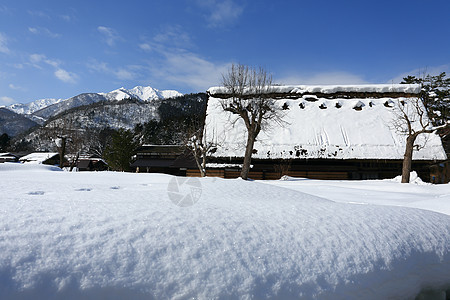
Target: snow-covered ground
(383, 192)
(121, 236)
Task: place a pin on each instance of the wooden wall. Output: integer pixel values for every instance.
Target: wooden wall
(260, 175)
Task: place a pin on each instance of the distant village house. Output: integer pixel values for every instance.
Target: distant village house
(46, 158)
(8, 157)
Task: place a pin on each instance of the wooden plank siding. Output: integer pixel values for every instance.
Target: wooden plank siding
(261, 175)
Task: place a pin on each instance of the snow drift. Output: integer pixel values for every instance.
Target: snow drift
(117, 235)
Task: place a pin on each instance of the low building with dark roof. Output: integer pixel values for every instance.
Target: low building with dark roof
(91, 164)
(168, 159)
(8, 157)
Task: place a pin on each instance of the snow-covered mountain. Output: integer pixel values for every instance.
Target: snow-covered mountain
(57, 108)
(143, 93)
(46, 108)
(29, 108)
(12, 123)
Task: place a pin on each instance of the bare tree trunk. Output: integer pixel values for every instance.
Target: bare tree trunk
(248, 155)
(283, 167)
(62, 152)
(407, 158)
(199, 165)
(203, 170)
(74, 162)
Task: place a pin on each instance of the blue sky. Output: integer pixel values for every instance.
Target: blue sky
(58, 48)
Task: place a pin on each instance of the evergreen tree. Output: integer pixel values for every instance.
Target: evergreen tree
(4, 142)
(435, 95)
(178, 116)
(120, 152)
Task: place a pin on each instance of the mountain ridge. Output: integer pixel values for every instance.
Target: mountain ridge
(13, 123)
(41, 108)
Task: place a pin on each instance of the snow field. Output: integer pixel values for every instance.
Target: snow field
(118, 235)
(381, 192)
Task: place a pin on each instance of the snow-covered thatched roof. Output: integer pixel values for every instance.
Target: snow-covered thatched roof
(38, 157)
(345, 126)
(299, 90)
(6, 154)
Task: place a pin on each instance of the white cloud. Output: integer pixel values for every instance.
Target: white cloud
(43, 31)
(98, 66)
(172, 64)
(15, 87)
(6, 100)
(123, 73)
(145, 47)
(332, 77)
(3, 44)
(4, 9)
(173, 36)
(66, 18)
(189, 69)
(169, 63)
(109, 34)
(419, 72)
(169, 67)
(65, 76)
(38, 13)
(33, 30)
(170, 37)
(40, 60)
(221, 12)
(36, 59)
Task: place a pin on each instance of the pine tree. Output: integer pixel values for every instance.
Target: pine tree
(435, 95)
(119, 153)
(4, 142)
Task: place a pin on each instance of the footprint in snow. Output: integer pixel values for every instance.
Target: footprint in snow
(36, 193)
(115, 187)
(83, 190)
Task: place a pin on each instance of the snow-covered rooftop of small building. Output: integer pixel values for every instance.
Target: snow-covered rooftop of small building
(322, 128)
(8, 154)
(331, 89)
(38, 157)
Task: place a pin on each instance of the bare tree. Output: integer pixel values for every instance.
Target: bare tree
(249, 91)
(70, 140)
(61, 142)
(412, 120)
(98, 140)
(201, 146)
(283, 167)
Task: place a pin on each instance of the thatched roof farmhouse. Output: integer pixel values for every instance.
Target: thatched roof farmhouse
(328, 132)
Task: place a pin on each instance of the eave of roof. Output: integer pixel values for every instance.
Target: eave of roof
(326, 91)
